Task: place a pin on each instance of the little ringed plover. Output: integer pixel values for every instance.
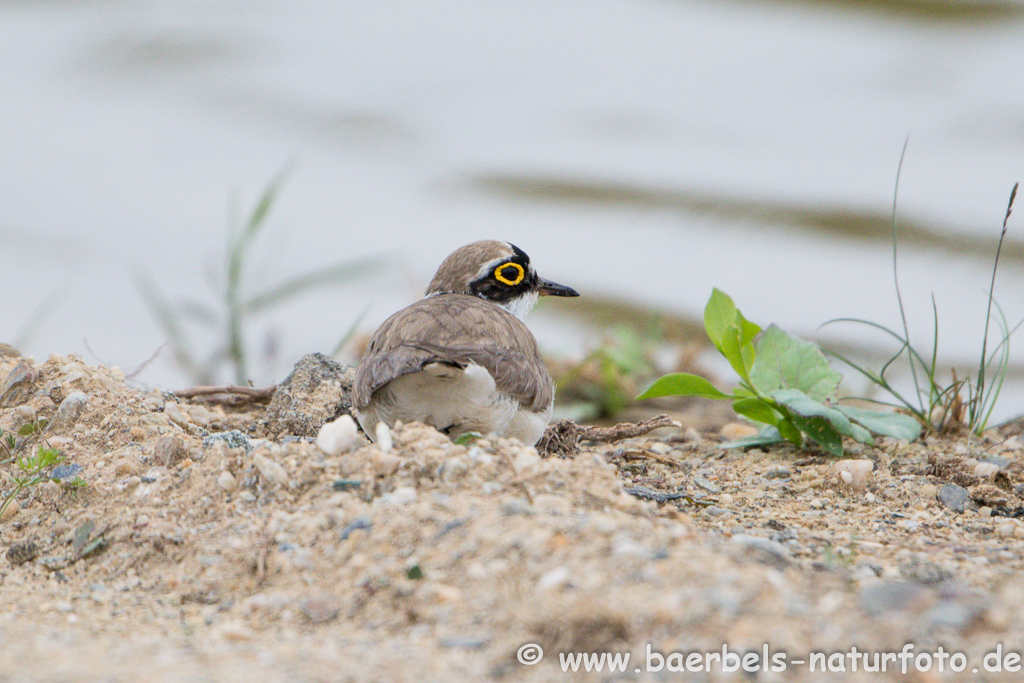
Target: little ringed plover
(461, 359)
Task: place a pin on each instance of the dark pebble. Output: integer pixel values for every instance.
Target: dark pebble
(20, 553)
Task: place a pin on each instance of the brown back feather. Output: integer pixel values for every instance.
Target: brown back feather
(456, 329)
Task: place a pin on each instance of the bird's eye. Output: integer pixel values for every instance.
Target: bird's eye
(509, 273)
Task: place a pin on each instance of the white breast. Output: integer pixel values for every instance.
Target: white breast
(454, 401)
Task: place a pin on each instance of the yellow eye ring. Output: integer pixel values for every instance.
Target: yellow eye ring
(501, 278)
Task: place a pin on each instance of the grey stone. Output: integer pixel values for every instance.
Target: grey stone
(924, 571)
(62, 472)
(17, 387)
(317, 391)
(894, 596)
(763, 550)
(956, 498)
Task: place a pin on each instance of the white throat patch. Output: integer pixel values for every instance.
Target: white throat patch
(521, 306)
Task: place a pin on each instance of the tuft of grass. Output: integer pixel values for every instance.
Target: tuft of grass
(962, 402)
(235, 306)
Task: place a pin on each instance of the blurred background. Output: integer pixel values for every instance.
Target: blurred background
(641, 151)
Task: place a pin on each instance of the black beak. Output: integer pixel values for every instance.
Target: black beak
(549, 288)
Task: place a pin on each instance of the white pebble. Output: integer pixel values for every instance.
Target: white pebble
(854, 473)
(556, 578)
(226, 481)
(400, 496)
(384, 441)
(339, 436)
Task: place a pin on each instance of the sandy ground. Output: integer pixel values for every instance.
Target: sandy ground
(179, 555)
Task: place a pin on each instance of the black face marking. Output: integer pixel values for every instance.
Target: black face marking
(505, 281)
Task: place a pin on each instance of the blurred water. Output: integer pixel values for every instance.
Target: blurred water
(637, 149)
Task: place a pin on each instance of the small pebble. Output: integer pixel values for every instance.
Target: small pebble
(70, 410)
(516, 506)
(11, 510)
(226, 481)
(174, 412)
(170, 450)
(272, 472)
(400, 496)
(339, 436)
(737, 430)
(956, 498)
(69, 471)
(764, 550)
(985, 470)
(384, 441)
(235, 631)
(555, 578)
(854, 473)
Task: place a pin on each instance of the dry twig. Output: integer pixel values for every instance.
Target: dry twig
(229, 394)
(563, 438)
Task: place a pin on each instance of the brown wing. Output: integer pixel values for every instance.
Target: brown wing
(456, 329)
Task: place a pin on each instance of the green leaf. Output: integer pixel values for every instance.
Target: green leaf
(787, 362)
(682, 384)
(719, 313)
(769, 436)
(896, 425)
(757, 409)
(822, 431)
(740, 356)
(823, 423)
(790, 432)
(466, 438)
(748, 330)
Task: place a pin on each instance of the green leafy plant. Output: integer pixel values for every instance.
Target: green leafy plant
(786, 384)
(235, 308)
(961, 401)
(32, 472)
